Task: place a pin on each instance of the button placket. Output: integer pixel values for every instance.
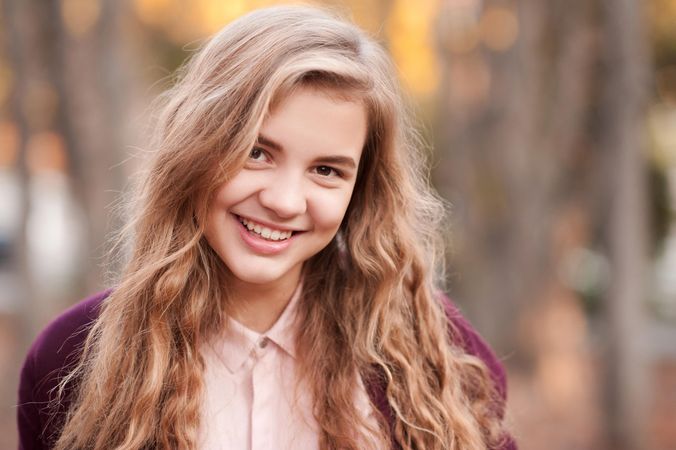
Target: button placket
(263, 394)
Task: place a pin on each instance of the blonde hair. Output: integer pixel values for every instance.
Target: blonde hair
(370, 305)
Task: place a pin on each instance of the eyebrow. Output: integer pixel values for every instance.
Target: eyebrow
(269, 143)
(333, 159)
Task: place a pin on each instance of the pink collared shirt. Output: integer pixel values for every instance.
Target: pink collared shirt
(251, 398)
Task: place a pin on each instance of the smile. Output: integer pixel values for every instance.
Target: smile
(267, 233)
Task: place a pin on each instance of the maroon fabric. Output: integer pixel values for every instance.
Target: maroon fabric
(50, 357)
(464, 335)
(56, 349)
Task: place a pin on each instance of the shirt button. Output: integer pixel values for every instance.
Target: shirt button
(263, 342)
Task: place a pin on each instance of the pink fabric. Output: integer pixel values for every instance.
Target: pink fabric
(251, 400)
(58, 347)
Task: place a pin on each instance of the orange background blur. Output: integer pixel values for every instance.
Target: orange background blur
(552, 132)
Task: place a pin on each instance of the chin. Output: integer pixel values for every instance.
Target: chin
(257, 276)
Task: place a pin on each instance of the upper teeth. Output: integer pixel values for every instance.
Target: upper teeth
(267, 233)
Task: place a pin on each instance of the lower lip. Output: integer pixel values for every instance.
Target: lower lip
(259, 244)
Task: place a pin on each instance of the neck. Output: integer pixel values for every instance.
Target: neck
(258, 306)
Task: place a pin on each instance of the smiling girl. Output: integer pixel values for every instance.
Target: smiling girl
(282, 288)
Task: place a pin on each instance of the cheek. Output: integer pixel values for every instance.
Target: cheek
(328, 211)
(242, 186)
(231, 191)
(223, 199)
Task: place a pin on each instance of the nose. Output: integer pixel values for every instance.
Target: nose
(285, 196)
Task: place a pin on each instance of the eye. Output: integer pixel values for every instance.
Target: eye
(258, 154)
(327, 171)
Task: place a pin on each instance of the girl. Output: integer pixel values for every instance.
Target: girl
(281, 290)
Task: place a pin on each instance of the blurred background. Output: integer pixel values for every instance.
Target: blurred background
(552, 132)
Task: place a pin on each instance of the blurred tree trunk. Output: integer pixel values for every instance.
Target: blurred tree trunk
(551, 122)
(622, 137)
(511, 148)
(92, 74)
(25, 48)
(71, 83)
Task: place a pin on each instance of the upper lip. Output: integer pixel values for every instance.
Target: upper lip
(272, 226)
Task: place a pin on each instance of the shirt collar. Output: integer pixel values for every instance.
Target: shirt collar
(238, 343)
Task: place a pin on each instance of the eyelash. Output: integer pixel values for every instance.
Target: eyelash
(263, 152)
(335, 171)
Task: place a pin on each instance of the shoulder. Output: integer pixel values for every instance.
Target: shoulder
(58, 341)
(52, 354)
(469, 339)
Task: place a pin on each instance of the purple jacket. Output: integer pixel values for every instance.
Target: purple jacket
(57, 347)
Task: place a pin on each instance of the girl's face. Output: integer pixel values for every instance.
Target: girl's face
(287, 203)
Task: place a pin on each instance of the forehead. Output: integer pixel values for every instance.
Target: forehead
(322, 87)
(317, 121)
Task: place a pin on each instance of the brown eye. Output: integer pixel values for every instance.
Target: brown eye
(326, 171)
(257, 154)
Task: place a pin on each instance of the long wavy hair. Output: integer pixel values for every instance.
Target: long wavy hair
(370, 306)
